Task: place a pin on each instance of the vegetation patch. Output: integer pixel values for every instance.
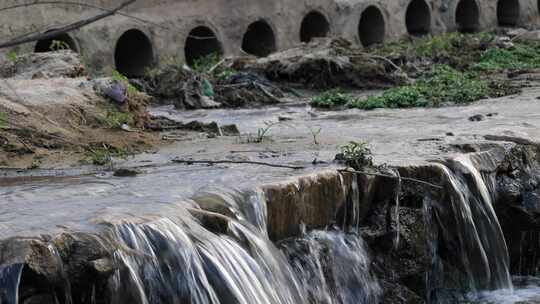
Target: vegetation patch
(442, 85)
(332, 98)
(114, 118)
(519, 57)
(102, 154)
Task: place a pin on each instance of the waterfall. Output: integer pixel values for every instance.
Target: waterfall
(334, 268)
(178, 261)
(470, 226)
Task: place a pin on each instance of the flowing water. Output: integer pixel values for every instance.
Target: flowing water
(471, 227)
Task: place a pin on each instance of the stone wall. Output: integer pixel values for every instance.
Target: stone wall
(166, 30)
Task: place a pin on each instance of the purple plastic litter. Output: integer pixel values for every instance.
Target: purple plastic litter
(116, 92)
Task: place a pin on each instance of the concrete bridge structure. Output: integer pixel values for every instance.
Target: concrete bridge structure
(152, 32)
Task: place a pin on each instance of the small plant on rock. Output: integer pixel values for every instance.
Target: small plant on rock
(103, 154)
(356, 155)
(315, 134)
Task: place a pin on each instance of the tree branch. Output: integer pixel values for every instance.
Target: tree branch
(213, 162)
(393, 177)
(64, 29)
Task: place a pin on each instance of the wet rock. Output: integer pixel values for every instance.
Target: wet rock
(522, 35)
(399, 294)
(504, 42)
(477, 117)
(230, 130)
(103, 267)
(40, 299)
(312, 200)
(126, 172)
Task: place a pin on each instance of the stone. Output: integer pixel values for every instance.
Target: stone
(126, 172)
(477, 117)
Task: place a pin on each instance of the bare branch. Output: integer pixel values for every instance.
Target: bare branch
(392, 177)
(64, 29)
(213, 162)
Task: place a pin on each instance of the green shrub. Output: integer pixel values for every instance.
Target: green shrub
(330, 99)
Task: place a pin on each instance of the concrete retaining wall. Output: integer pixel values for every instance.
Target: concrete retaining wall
(162, 30)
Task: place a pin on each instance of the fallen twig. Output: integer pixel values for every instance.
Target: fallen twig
(410, 179)
(70, 27)
(214, 162)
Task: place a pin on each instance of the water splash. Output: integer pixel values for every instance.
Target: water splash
(333, 267)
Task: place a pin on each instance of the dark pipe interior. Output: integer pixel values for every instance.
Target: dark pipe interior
(371, 28)
(259, 39)
(133, 54)
(314, 25)
(467, 16)
(201, 42)
(418, 18)
(508, 12)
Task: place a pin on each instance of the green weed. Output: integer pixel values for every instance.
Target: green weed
(331, 98)
(58, 45)
(114, 118)
(12, 56)
(103, 154)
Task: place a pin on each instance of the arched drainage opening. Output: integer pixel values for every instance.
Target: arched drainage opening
(418, 18)
(134, 53)
(201, 42)
(259, 39)
(59, 42)
(371, 28)
(467, 16)
(508, 12)
(314, 25)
